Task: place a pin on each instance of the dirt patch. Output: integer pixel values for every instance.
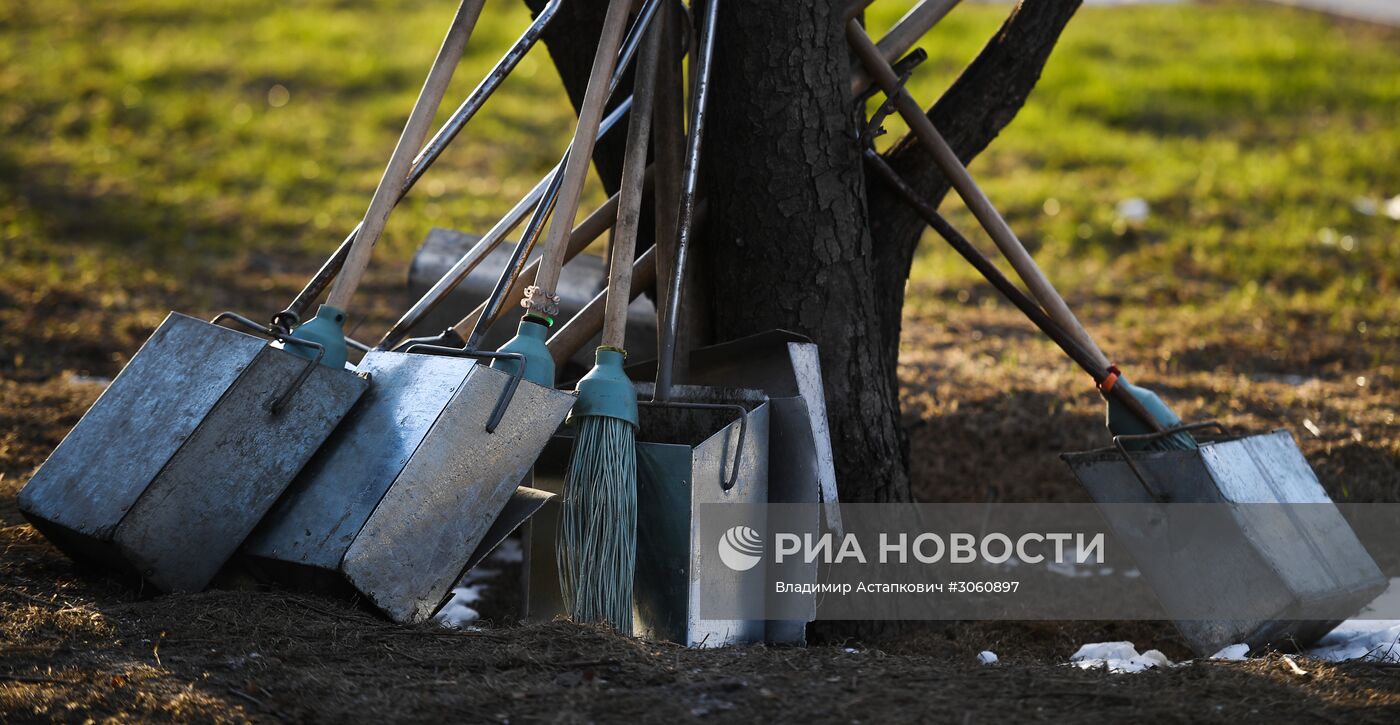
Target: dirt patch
(75, 645)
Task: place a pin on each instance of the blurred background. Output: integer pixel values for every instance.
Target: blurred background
(1215, 183)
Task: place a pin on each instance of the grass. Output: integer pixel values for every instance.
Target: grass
(174, 153)
(1253, 132)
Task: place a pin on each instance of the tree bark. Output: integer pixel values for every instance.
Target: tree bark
(788, 232)
(795, 238)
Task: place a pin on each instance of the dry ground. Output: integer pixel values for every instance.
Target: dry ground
(74, 646)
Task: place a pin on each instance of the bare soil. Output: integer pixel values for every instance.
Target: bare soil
(986, 407)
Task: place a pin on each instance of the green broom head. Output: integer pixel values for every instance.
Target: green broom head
(1121, 421)
(328, 329)
(529, 341)
(597, 544)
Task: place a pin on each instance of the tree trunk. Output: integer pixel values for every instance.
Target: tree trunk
(795, 237)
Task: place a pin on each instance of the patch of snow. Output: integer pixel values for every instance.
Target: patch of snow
(1360, 639)
(987, 657)
(1371, 636)
(458, 612)
(1117, 658)
(75, 379)
(1233, 653)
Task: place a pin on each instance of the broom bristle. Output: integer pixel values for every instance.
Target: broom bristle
(598, 529)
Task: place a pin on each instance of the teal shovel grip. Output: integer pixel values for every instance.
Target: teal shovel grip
(326, 329)
(529, 341)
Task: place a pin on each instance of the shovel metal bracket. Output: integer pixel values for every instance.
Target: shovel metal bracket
(447, 338)
(285, 321)
(275, 333)
(1118, 441)
(733, 475)
(499, 412)
(874, 128)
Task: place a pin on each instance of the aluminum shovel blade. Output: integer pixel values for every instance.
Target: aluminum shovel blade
(406, 490)
(1261, 558)
(787, 368)
(180, 457)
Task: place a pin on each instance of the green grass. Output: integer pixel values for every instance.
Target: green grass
(141, 148)
(1250, 130)
(153, 129)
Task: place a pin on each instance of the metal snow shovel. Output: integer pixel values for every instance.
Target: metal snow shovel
(706, 446)
(1271, 558)
(695, 446)
(204, 429)
(397, 501)
(436, 430)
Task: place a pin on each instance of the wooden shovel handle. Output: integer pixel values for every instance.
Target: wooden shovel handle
(401, 161)
(581, 150)
(1008, 289)
(587, 232)
(585, 325)
(967, 188)
(634, 167)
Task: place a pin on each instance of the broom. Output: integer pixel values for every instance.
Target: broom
(598, 530)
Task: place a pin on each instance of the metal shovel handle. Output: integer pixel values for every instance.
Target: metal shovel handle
(685, 223)
(729, 479)
(1119, 440)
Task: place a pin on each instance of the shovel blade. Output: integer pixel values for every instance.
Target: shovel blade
(416, 543)
(397, 501)
(1261, 558)
(177, 461)
(324, 509)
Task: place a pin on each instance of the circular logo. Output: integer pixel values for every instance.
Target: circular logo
(741, 548)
